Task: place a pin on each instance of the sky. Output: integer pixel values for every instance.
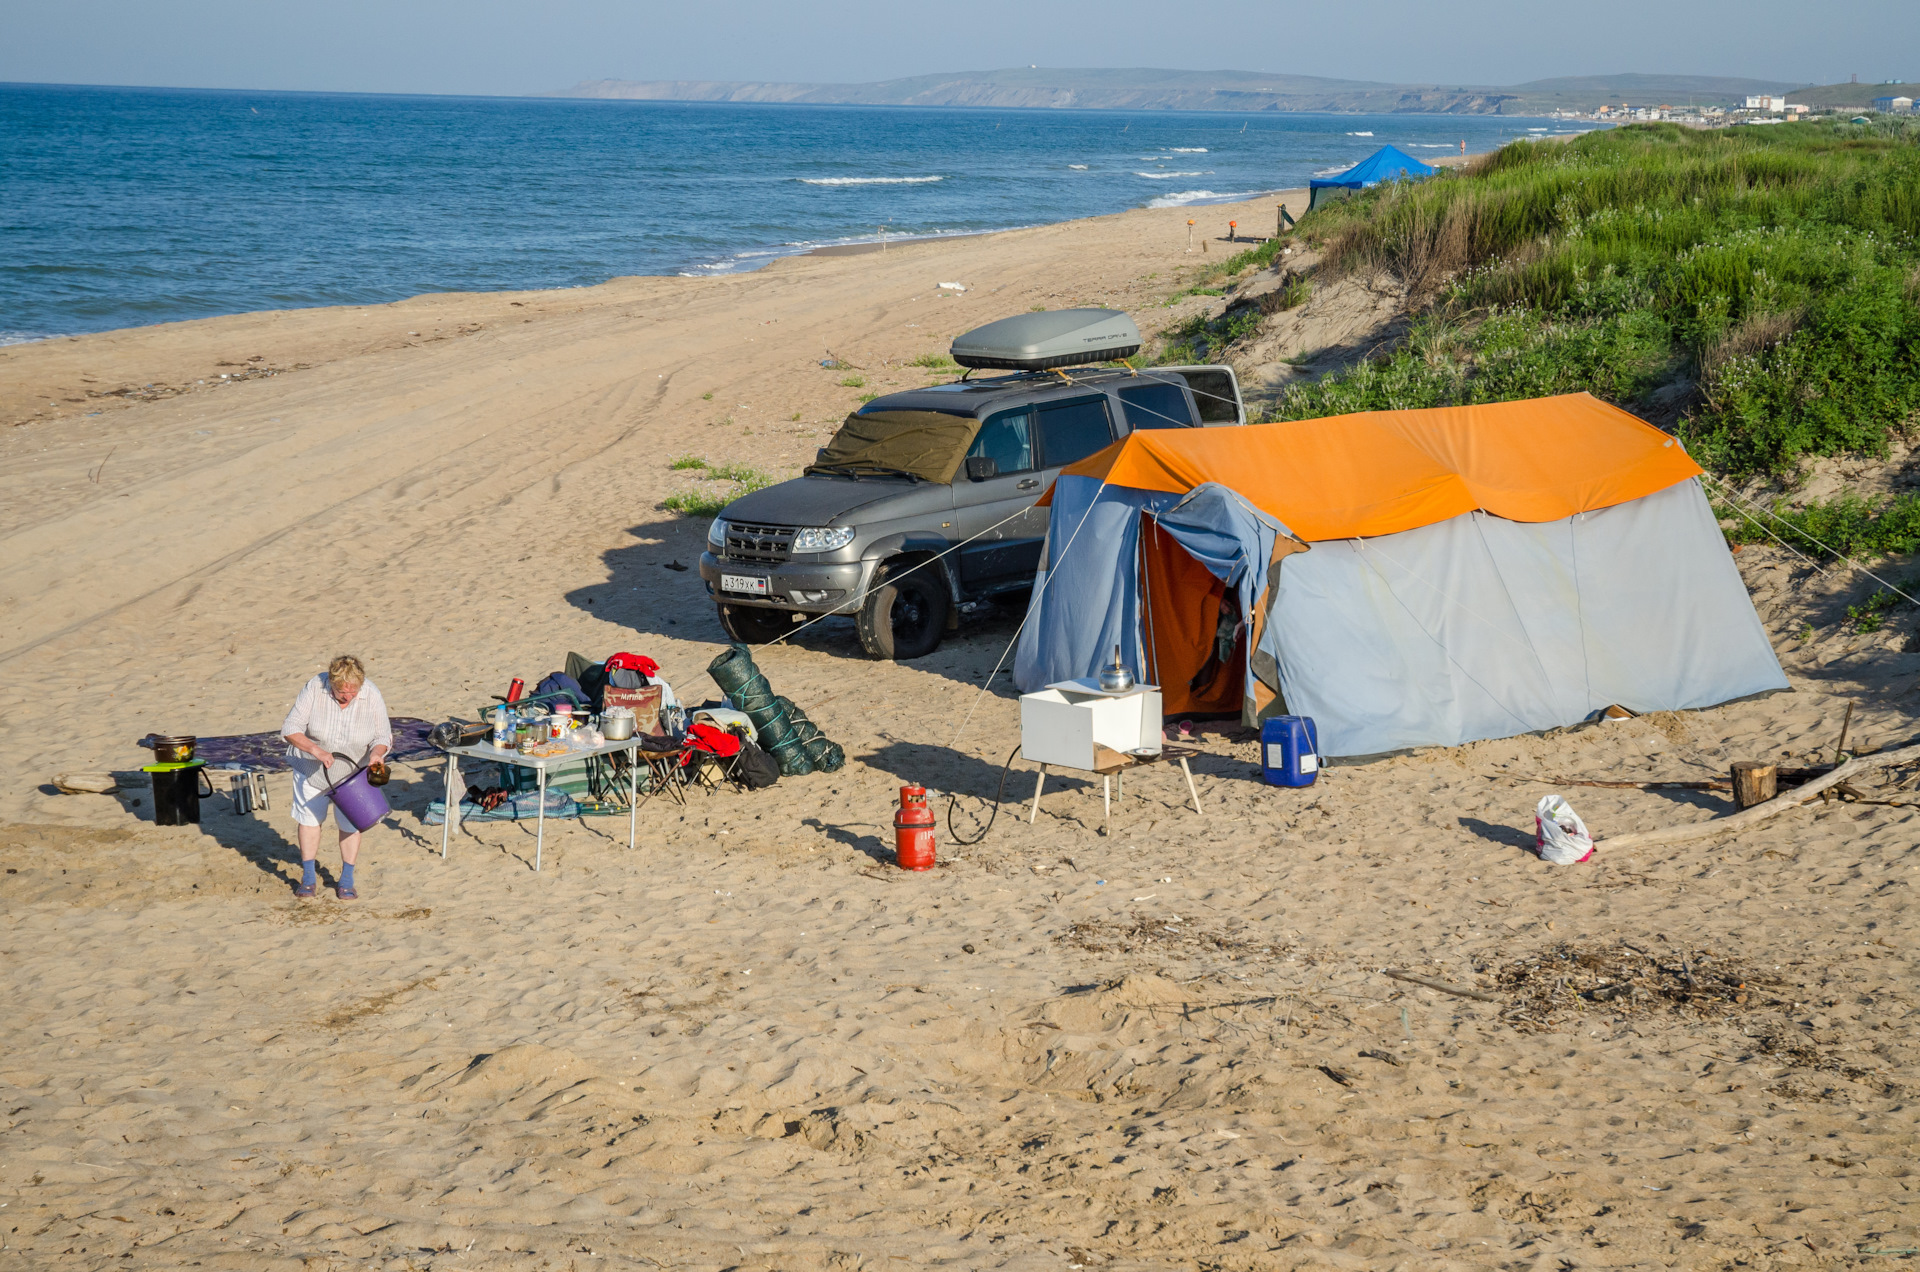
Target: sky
(497, 47)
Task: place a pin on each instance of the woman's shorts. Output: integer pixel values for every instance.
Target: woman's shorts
(311, 803)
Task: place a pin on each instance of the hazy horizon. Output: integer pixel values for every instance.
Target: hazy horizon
(489, 47)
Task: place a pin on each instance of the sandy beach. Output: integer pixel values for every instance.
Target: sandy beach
(751, 1042)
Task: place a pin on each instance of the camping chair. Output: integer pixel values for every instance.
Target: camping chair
(664, 772)
(709, 759)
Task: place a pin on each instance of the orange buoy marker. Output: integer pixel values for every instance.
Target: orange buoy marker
(913, 830)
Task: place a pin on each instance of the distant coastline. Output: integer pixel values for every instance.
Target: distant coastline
(1151, 89)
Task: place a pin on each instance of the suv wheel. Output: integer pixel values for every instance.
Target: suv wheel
(905, 613)
(751, 625)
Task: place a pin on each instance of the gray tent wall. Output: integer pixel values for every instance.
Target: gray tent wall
(1473, 628)
(1478, 627)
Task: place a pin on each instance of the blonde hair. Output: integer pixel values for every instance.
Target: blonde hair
(346, 670)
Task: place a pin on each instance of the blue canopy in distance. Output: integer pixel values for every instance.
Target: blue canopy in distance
(1388, 163)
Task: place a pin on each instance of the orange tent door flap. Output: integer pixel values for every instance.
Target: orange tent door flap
(1182, 616)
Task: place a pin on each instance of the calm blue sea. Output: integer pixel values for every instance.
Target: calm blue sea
(120, 207)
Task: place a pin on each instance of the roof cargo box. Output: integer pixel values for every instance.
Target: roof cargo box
(1055, 338)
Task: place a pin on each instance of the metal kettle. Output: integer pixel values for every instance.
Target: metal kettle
(1116, 679)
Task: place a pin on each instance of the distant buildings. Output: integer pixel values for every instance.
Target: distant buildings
(1893, 105)
(1764, 102)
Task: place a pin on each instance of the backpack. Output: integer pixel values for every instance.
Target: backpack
(755, 769)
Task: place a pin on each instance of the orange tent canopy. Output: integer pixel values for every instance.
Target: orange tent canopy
(1381, 472)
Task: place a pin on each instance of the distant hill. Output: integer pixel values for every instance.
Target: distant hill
(1152, 89)
(1858, 96)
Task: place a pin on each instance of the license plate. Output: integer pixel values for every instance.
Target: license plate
(743, 584)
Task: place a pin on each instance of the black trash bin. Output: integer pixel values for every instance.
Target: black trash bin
(177, 793)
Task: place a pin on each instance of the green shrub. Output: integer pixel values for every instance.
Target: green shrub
(686, 462)
(707, 502)
(853, 382)
(697, 503)
(1848, 525)
(1767, 275)
(751, 478)
(935, 362)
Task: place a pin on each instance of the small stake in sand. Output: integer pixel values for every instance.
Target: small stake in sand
(1189, 234)
(1233, 231)
(1754, 782)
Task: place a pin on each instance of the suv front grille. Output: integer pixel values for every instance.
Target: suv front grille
(768, 545)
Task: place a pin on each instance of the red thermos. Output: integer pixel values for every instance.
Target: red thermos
(517, 688)
(913, 830)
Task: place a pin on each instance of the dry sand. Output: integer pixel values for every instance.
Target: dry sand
(751, 1043)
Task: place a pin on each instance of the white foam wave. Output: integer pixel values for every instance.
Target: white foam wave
(25, 337)
(1364, 134)
(846, 181)
(1188, 150)
(1162, 176)
(1430, 145)
(1332, 172)
(1078, 167)
(1184, 197)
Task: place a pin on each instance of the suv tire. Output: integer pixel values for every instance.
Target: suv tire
(751, 625)
(905, 613)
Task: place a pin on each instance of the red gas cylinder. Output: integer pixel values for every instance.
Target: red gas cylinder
(913, 830)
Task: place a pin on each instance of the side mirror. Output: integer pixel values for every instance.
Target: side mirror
(982, 468)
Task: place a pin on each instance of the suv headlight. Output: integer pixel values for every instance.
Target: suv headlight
(717, 534)
(829, 539)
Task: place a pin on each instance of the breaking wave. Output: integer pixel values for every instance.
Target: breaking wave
(1187, 150)
(1078, 167)
(1362, 134)
(840, 181)
(1184, 197)
(1162, 176)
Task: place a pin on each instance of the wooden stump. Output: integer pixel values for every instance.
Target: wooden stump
(1754, 782)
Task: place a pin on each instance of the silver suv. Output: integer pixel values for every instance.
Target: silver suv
(868, 530)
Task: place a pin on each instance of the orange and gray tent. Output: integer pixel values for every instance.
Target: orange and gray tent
(1406, 578)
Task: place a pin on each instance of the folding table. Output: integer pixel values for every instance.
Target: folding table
(540, 764)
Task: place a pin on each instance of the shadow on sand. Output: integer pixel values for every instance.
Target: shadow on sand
(644, 591)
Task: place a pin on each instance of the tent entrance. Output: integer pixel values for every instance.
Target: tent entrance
(1182, 601)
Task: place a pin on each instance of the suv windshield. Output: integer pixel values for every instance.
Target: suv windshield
(923, 445)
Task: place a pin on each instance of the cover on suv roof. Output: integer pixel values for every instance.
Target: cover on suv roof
(1050, 338)
(927, 444)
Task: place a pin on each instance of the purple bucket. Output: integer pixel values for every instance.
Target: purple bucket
(359, 801)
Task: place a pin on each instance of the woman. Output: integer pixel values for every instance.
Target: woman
(338, 710)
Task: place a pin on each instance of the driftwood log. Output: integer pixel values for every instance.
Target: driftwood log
(1772, 808)
(1754, 782)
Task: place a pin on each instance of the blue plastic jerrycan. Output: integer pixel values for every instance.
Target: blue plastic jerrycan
(1289, 751)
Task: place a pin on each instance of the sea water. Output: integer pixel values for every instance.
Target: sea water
(120, 207)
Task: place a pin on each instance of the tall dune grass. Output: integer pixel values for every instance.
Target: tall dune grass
(1763, 279)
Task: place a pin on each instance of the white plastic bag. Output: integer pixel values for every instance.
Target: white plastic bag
(1559, 836)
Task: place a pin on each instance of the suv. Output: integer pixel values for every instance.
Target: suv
(866, 531)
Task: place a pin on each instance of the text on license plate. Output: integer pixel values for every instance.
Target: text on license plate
(743, 584)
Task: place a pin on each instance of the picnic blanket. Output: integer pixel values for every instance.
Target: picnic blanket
(269, 750)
